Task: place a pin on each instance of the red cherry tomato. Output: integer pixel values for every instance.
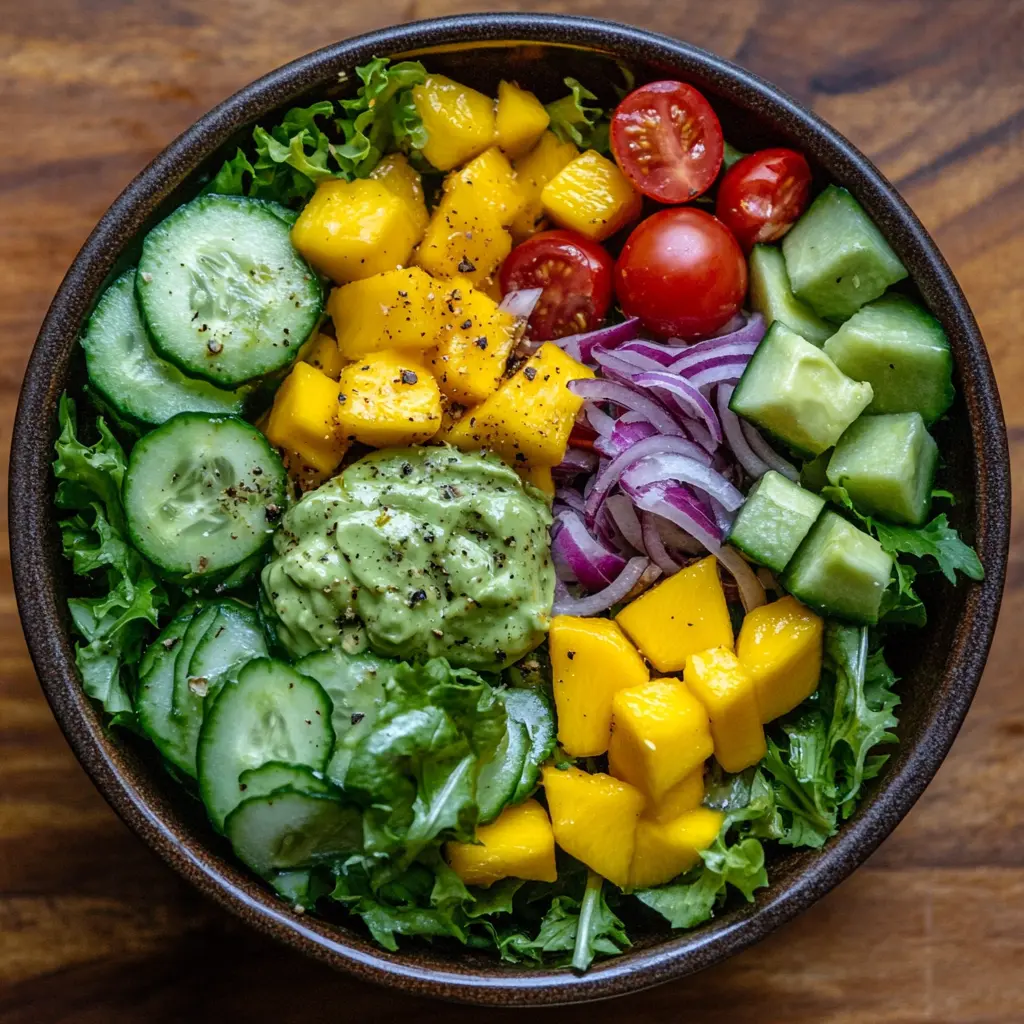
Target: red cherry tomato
(682, 272)
(762, 195)
(667, 140)
(576, 275)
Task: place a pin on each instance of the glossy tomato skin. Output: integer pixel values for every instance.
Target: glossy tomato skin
(576, 275)
(668, 141)
(682, 272)
(762, 195)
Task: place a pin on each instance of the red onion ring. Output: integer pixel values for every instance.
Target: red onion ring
(745, 455)
(566, 604)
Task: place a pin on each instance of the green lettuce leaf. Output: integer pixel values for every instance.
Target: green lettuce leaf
(575, 120)
(125, 596)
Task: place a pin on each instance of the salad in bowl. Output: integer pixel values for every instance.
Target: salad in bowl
(496, 510)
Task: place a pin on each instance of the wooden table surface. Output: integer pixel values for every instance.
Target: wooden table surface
(93, 928)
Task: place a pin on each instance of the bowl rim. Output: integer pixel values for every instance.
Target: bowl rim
(34, 561)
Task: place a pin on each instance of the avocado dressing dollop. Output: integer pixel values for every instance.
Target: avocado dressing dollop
(417, 553)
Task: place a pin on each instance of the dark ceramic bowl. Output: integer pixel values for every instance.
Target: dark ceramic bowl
(941, 667)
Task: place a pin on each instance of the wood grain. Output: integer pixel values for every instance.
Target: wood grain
(94, 929)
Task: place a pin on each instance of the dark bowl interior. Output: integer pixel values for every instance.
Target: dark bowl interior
(941, 665)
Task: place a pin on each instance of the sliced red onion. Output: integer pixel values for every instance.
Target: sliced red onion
(620, 508)
(628, 430)
(734, 324)
(752, 593)
(650, 575)
(663, 468)
(625, 361)
(599, 419)
(676, 541)
(655, 546)
(663, 355)
(581, 346)
(579, 555)
(678, 505)
(571, 497)
(717, 370)
(690, 401)
(650, 446)
(764, 451)
(566, 604)
(521, 303)
(576, 461)
(745, 455)
(627, 398)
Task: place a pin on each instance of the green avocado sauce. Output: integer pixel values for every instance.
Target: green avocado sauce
(416, 553)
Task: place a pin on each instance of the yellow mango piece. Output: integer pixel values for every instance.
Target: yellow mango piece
(400, 178)
(520, 119)
(684, 796)
(399, 309)
(464, 238)
(680, 616)
(725, 688)
(591, 196)
(304, 418)
(594, 819)
(533, 172)
(780, 646)
(475, 343)
(660, 734)
(591, 660)
(350, 230)
(541, 478)
(322, 352)
(387, 400)
(528, 419)
(489, 180)
(459, 121)
(519, 844)
(665, 850)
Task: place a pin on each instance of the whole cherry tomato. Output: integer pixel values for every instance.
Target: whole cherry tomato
(762, 195)
(682, 272)
(667, 141)
(576, 275)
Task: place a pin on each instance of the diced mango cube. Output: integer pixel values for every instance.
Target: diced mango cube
(682, 797)
(541, 478)
(780, 646)
(350, 230)
(683, 615)
(489, 180)
(400, 178)
(665, 850)
(475, 343)
(591, 196)
(322, 352)
(387, 400)
(459, 121)
(528, 419)
(725, 688)
(533, 172)
(464, 237)
(660, 734)
(591, 660)
(594, 819)
(304, 418)
(519, 120)
(519, 844)
(400, 309)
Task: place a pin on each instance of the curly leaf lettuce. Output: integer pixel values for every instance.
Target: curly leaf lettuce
(127, 596)
(575, 119)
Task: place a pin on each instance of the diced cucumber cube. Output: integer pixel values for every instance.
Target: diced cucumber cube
(772, 296)
(837, 259)
(839, 570)
(794, 391)
(813, 476)
(901, 350)
(887, 465)
(774, 519)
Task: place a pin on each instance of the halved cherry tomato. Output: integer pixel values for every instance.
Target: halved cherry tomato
(762, 195)
(682, 272)
(667, 140)
(576, 275)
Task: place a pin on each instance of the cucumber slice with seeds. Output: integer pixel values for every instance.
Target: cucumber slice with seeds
(202, 494)
(234, 638)
(223, 291)
(127, 372)
(188, 703)
(275, 775)
(269, 712)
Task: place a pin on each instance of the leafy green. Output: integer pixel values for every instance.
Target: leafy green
(330, 140)
(575, 120)
(114, 620)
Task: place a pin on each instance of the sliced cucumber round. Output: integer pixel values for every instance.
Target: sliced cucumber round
(132, 378)
(202, 494)
(223, 291)
(234, 638)
(269, 712)
(187, 702)
(499, 778)
(534, 712)
(275, 775)
(292, 829)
